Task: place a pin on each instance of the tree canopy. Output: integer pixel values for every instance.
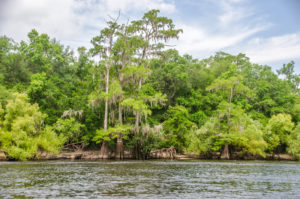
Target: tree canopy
(140, 96)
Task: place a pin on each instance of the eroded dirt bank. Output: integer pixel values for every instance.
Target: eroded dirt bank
(157, 154)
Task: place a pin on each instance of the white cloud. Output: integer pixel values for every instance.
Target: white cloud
(233, 11)
(265, 50)
(228, 31)
(73, 22)
(197, 41)
(142, 5)
(236, 33)
(54, 17)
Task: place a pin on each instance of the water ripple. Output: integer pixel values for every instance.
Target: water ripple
(150, 179)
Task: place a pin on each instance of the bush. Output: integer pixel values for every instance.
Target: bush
(294, 142)
(22, 132)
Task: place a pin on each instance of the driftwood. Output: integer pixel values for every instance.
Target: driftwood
(164, 153)
(77, 146)
(171, 151)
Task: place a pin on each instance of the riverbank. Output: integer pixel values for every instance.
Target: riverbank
(157, 154)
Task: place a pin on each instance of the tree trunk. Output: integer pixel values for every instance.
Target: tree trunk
(137, 117)
(137, 151)
(231, 95)
(104, 147)
(119, 148)
(104, 150)
(106, 99)
(225, 153)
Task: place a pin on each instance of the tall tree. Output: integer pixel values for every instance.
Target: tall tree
(124, 49)
(103, 46)
(288, 71)
(154, 30)
(230, 84)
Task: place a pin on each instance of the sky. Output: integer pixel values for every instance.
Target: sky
(267, 31)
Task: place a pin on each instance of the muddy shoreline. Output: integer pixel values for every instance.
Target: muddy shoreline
(95, 155)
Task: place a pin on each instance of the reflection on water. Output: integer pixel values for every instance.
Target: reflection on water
(150, 179)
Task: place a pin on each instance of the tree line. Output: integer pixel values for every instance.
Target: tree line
(142, 96)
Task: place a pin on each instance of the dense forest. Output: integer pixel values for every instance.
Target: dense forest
(131, 91)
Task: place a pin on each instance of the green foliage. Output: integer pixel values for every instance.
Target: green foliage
(296, 112)
(277, 131)
(230, 84)
(252, 141)
(17, 145)
(111, 133)
(136, 72)
(13, 69)
(4, 95)
(199, 118)
(72, 130)
(202, 104)
(49, 141)
(288, 71)
(23, 133)
(177, 127)
(238, 131)
(1, 112)
(143, 143)
(137, 106)
(37, 86)
(172, 78)
(201, 139)
(294, 142)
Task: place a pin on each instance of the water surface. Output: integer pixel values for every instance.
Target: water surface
(150, 179)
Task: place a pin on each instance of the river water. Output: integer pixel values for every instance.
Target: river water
(150, 179)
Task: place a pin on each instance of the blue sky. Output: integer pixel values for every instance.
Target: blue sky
(267, 31)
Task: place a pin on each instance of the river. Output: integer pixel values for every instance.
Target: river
(150, 179)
